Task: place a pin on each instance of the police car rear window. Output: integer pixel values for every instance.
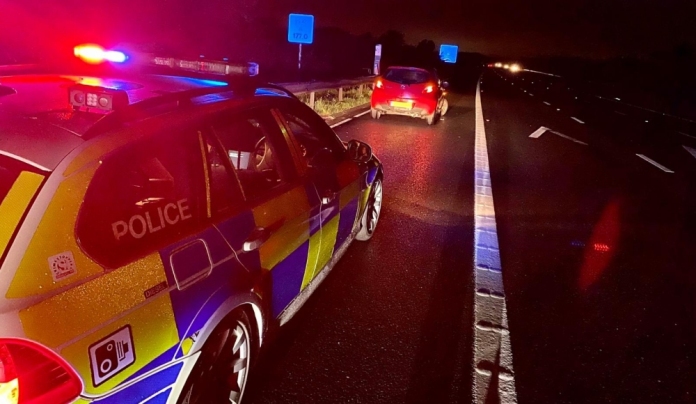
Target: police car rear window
(143, 198)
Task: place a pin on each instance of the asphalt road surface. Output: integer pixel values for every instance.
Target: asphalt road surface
(595, 204)
(392, 323)
(597, 243)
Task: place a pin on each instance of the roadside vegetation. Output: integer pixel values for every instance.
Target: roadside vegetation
(326, 103)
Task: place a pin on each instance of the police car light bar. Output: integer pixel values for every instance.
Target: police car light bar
(98, 98)
(95, 54)
(203, 66)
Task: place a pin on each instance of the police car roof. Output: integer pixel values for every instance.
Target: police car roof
(38, 124)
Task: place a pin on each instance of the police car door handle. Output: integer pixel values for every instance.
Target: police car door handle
(256, 239)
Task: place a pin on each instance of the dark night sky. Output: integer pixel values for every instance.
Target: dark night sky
(594, 28)
(584, 27)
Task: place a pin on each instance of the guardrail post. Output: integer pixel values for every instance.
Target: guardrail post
(340, 94)
(361, 89)
(311, 99)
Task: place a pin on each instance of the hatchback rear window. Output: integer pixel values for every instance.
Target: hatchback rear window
(407, 76)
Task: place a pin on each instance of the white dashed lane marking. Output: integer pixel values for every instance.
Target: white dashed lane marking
(492, 359)
(655, 163)
(537, 134)
(691, 150)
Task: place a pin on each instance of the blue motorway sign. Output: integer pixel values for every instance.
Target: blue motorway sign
(448, 53)
(301, 28)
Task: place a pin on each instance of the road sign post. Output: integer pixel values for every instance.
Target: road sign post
(448, 53)
(299, 59)
(378, 58)
(300, 31)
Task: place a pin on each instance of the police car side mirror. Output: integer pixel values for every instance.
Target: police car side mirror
(359, 152)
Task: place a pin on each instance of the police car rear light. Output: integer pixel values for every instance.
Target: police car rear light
(9, 389)
(95, 54)
(33, 374)
(101, 98)
(213, 67)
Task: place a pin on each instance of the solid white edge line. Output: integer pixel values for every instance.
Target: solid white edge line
(341, 123)
(687, 135)
(655, 163)
(577, 120)
(492, 349)
(538, 72)
(349, 119)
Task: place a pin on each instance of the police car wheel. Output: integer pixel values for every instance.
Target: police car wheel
(221, 373)
(371, 216)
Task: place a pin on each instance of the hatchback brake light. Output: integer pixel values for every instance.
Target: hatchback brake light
(33, 374)
(429, 89)
(379, 84)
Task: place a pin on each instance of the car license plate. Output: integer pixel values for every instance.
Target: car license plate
(402, 104)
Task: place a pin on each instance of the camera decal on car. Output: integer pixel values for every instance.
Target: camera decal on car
(111, 355)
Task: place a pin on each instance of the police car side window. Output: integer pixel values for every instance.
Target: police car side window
(311, 135)
(142, 198)
(250, 142)
(225, 190)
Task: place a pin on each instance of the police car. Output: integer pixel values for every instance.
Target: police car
(156, 223)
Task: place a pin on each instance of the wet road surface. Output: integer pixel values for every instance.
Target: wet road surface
(597, 250)
(392, 322)
(595, 203)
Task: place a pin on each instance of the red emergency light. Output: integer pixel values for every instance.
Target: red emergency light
(95, 54)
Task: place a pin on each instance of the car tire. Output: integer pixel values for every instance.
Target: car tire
(375, 114)
(370, 218)
(431, 119)
(444, 108)
(220, 375)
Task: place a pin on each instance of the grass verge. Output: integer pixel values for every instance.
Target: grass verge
(326, 103)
